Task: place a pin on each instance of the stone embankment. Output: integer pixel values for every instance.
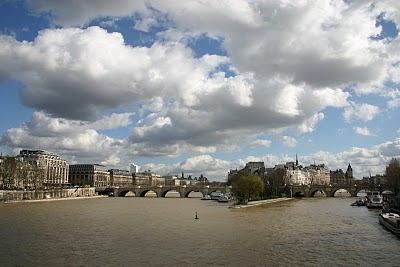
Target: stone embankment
(9, 196)
(261, 202)
(53, 199)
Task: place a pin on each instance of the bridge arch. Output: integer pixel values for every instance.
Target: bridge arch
(144, 192)
(312, 193)
(334, 191)
(165, 192)
(187, 193)
(298, 194)
(124, 193)
(362, 191)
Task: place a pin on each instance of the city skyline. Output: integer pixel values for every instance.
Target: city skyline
(202, 87)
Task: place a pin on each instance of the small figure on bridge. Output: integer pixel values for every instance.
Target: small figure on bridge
(196, 216)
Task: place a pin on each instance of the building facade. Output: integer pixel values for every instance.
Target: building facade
(373, 180)
(93, 175)
(340, 177)
(296, 174)
(53, 168)
(121, 178)
(171, 180)
(133, 168)
(318, 174)
(251, 168)
(147, 178)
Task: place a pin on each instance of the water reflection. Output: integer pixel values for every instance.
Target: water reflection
(170, 194)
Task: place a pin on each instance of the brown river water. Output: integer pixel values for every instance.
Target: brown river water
(148, 231)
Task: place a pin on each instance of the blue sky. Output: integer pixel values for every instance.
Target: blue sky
(202, 87)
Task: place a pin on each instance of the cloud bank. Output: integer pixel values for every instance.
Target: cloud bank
(285, 64)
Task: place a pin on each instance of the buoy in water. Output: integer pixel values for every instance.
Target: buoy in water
(196, 216)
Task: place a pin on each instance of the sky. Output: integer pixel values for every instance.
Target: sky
(202, 86)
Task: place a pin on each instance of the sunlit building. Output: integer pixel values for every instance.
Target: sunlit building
(93, 175)
(53, 168)
(121, 178)
(317, 174)
(147, 178)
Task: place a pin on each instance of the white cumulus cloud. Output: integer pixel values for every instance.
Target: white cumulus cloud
(260, 142)
(362, 131)
(363, 112)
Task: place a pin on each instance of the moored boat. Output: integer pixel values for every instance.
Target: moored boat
(374, 200)
(223, 198)
(390, 221)
(206, 197)
(359, 202)
(216, 195)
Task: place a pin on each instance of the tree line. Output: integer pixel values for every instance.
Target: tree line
(393, 176)
(18, 174)
(258, 186)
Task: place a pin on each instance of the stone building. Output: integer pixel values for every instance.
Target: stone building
(318, 174)
(313, 174)
(171, 180)
(340, 177)
(257, 168)
(51, 167)
(133, 168)
(93, 175)
(294, 173)
(121, 178)
(147, 178)
(373, 180)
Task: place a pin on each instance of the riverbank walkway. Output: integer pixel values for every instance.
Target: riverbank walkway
(51, 199)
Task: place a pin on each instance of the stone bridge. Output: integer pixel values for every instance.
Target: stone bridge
(330, 190)
(162, 190)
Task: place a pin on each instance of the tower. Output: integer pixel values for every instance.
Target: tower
(134, 168)
(349, 172)
(348, 176)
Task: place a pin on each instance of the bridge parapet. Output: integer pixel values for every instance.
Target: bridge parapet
(330, 190)
(162, 190)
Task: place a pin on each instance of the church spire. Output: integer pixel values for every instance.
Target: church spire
(297, 162)
(349, 168)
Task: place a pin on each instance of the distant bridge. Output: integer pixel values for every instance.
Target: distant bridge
(162, 190)
(185, 190)
(330, 190)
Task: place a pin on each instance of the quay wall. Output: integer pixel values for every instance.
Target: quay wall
(19, 195)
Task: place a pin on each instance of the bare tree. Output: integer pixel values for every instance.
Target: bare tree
(37, 175)
(393, 175)
(21, 174)
(9, 171)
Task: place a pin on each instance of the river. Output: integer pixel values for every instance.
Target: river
(134, 231)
